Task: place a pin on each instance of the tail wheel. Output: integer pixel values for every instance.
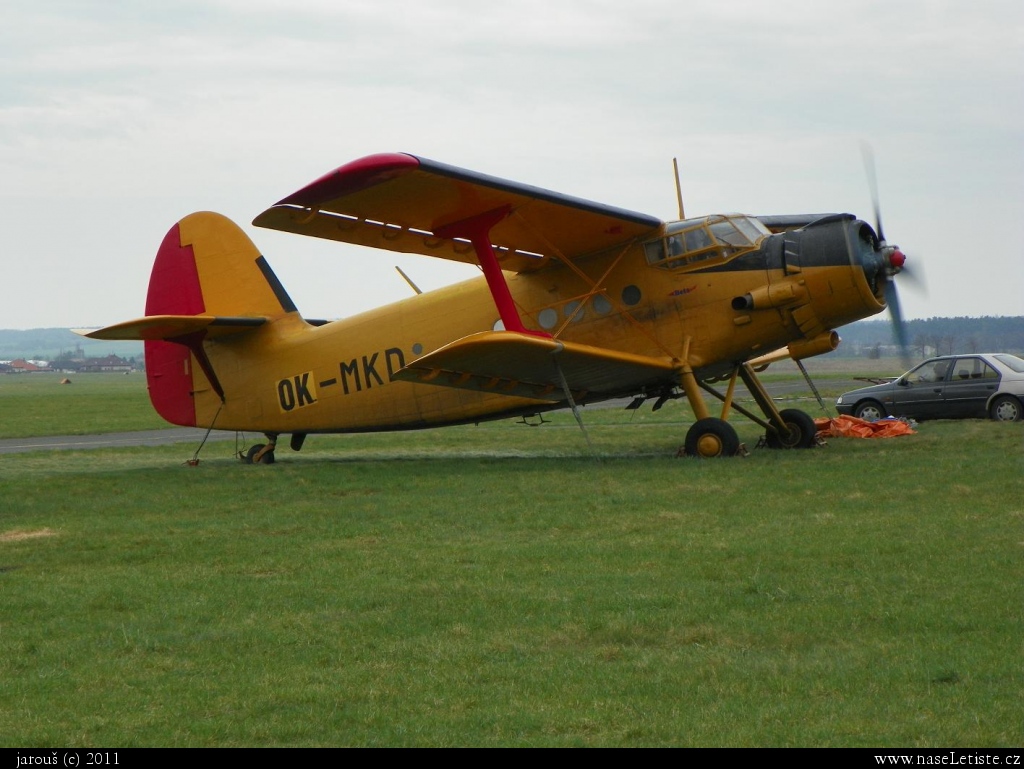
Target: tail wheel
(258, 455)
(711, 437)
(800, 431)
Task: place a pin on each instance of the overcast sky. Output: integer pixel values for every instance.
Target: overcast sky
(119, 118)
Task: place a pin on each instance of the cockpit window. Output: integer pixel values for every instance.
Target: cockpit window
(726, 232)
(751, 227)
(696, 241)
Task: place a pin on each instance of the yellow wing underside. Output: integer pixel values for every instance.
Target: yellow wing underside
(511, 364)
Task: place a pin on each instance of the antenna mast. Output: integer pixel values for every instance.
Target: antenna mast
(679, 189)
(408, 280)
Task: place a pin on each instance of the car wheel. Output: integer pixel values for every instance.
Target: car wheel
(711, 438)
(801, 434)
(870, 411)
(1005, 408)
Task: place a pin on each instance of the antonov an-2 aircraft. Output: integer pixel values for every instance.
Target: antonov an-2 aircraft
(579, 302)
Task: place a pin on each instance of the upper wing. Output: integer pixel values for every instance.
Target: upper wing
(398, 202)
(507, 363)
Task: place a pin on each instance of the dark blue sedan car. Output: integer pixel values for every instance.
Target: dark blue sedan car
(951, 387)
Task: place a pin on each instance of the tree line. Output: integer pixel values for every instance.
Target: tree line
(935, 336)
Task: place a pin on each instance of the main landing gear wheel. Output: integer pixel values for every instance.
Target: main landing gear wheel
(801, 431)
(711, 437)
(258, 455)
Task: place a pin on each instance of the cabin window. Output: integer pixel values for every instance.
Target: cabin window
(548, 318)
(601, 305)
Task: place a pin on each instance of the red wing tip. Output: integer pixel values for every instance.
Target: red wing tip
(352, 177)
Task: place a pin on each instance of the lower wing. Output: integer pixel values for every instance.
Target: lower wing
(512, 364)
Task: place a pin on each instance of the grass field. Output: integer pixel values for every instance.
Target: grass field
(38, 404)
(506, 585)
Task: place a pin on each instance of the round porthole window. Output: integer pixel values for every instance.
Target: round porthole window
(631, 295)
(499, 325)
(417, 349)
(601, 305)
(548, 318)
(571, 308)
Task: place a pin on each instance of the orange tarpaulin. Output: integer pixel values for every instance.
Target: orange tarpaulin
(851, 427)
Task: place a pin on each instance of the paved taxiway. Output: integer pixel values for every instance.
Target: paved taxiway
(112, 440)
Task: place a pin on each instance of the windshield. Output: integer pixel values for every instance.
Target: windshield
(697, 240)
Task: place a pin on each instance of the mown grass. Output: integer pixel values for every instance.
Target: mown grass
(507, 585)
(38, 404)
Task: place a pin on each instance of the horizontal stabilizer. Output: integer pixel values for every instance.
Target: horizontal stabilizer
(512, 364)
(171, 327)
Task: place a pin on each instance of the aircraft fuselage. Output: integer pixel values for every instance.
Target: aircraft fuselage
(716, 311)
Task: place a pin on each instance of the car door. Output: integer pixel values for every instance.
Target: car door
(971, 383)
(919, 392)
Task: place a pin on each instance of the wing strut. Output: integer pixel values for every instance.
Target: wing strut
(477, 230)
(194, 342)
(568, 396)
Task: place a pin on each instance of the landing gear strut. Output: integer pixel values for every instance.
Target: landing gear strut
(787, 429)
(714, 437)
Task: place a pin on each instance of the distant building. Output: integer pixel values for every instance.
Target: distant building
(21, 366)
(110, 363)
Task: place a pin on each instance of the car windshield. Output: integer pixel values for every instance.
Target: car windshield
(1011, 361)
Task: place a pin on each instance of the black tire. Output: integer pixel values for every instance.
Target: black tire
(711, 437)
(801, 435)
(1006, 408)
(266, 459)
(870, 411)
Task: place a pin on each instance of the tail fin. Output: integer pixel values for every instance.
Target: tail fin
(209, 279)
(206, 265)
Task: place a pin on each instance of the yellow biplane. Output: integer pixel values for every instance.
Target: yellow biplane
(579, 302)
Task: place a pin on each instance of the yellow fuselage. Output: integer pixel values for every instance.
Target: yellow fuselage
(292, 377)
